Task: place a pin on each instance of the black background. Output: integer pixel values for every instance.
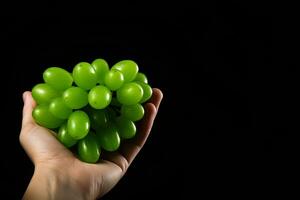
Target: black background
(224, 126)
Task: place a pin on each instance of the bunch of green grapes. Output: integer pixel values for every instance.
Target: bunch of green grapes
(94, 107)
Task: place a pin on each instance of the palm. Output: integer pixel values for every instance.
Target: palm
(43, 148)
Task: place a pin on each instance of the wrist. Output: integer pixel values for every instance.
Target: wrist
(47, 183)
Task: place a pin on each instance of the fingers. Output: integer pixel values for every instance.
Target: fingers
(131, 148)
(117, 159)
(156, 97)
(144, 127)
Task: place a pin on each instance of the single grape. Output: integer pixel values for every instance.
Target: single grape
(44, 117)
(88, 149)
(147, 91)
(141, 77)
(59, 109)
(58, 78)
(101, 68)
(130, 94)
(84, 75)
(78, 125)
(64, 137)
(43, 93)
(126, 128)
(133, 112)
(114, 79)
(98, 118)
(75, 97)
(108, 138)
(128, 68)
(99, 97)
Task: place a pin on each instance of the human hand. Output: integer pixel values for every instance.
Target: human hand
(59, 174)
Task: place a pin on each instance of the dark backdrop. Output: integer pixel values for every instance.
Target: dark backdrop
(221, 127)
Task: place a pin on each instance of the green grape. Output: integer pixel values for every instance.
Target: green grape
(108, 138)
(110, 109)
(133, 112)
(147, 92)
(141, 77)
(101, 68)
(88, 149)
(43, 93)
(43, 117)
(98, 118)
(78, 125)
(99, 97)
(59, 109)
(130, 94)
(58, 78)
(114, 79)
(84, 75)
(126, 128)
(128, 68)
(75, 97)
(64, 137)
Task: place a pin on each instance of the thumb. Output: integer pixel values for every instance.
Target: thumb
(29, 104)
(38, 142)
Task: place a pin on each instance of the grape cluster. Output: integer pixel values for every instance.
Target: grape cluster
(94, 107)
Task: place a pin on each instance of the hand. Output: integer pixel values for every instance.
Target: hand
(58, 174)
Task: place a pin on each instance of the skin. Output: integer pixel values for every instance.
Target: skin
(58, 174)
